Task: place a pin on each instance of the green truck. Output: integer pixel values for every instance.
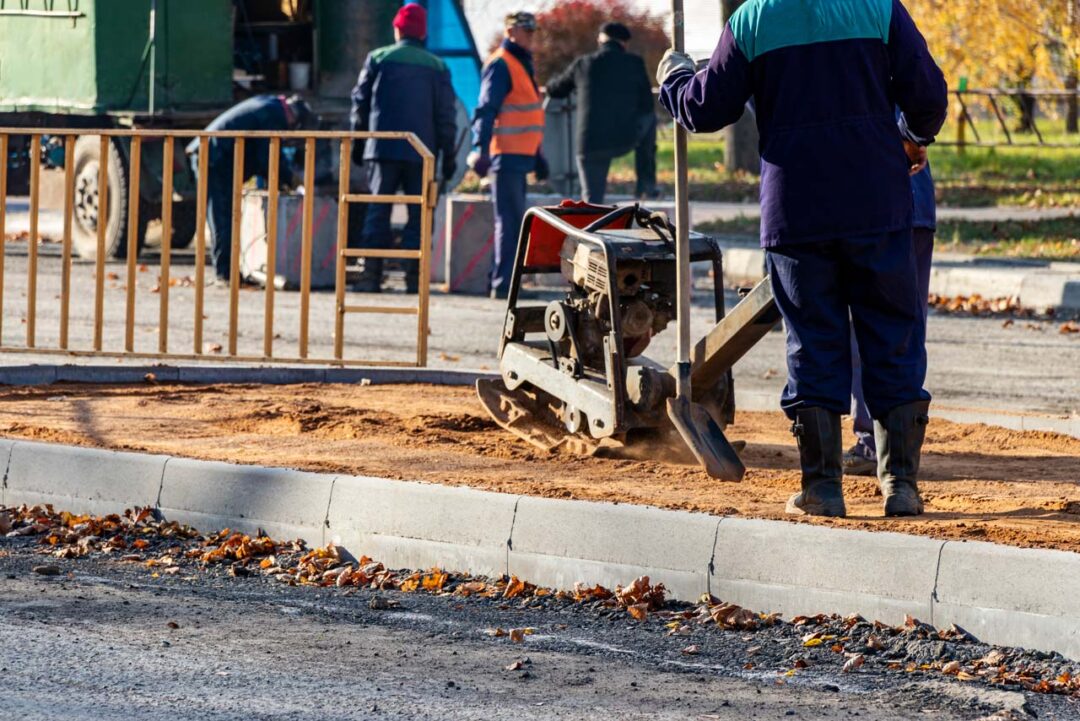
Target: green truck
(94, 64)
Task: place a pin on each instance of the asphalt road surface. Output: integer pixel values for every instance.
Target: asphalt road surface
(104, 640)
(974, 362)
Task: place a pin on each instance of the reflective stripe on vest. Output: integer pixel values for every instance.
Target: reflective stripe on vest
(519, 126)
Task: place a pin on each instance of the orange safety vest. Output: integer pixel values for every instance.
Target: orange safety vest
(519, 126)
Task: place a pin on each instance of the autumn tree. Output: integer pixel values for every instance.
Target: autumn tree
(1005, 43)
(570, 28)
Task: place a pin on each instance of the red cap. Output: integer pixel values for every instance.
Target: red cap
(411, 20)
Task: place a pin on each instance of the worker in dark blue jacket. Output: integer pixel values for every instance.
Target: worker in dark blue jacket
(262, 112)
(402, 88)
(836, 213)
(508, 131)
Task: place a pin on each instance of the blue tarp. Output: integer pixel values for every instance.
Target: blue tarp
(450, 38)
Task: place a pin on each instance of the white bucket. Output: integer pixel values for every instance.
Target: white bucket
(299, 76)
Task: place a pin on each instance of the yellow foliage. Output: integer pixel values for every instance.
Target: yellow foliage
(1002, 42)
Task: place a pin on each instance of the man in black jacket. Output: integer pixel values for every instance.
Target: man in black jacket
(614, 110)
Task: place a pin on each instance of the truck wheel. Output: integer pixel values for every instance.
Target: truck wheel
(87, 213)
(183, 224)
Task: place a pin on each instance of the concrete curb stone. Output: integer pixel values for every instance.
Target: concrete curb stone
(210, 496)
(33, 375)
(81, 480)
(114, 374)
(1036, 285)
(1003, 595)
(6, 444)
(420, 525)
(795, 568)
(1014, 596)
(559, 543)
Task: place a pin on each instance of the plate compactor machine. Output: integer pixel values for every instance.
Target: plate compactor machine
(573, 373)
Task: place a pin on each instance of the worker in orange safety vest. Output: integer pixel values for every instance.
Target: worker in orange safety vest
(508, 129)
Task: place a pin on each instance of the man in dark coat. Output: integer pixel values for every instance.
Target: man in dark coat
(402, 88)
(615, 111)
(262, 112)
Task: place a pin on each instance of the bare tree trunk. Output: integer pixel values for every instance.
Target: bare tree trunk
(740, 139)
(1072, 116)
(1072, 121)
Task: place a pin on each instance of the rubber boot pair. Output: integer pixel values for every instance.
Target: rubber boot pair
(370, 280)
(899, 437)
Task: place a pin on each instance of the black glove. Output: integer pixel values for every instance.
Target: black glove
(542, 171)
(449, 167)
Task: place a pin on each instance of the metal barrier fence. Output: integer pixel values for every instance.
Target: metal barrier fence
(965, 121)
(426, 200)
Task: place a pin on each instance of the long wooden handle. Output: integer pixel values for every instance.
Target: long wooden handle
(682, 224)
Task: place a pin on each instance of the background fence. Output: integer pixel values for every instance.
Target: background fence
(163, 349)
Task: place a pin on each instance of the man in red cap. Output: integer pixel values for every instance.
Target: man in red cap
(402, 88)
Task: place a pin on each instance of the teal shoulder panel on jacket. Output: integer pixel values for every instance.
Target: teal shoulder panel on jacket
(409, 54)
(760, 26)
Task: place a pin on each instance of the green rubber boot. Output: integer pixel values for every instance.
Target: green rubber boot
(899, 437)
(821, 450)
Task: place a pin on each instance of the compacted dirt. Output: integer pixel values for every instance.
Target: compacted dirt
(980, 482)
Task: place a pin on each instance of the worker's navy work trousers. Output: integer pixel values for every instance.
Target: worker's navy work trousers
(508, 190)
(219, 207)
(387, 177)
(923, 239)
(823, 290)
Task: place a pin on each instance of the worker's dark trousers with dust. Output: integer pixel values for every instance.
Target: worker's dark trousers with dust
(508, 191)
(218, 209)
(387, 177)
(862, 422)
(823, 290)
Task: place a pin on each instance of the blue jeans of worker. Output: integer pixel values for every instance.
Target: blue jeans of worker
(593, 174)
(823, 290)
(645, 158)
(219, 208)
(923, 240)
(508, 190)
(387, 177)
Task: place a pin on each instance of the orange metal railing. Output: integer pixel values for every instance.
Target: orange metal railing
(426, 200)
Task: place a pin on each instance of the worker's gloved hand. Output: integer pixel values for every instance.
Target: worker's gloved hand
(543, 170)
(449, 167)
(479, 162)
(671, 62)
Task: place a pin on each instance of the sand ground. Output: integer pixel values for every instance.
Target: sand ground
(979, 482)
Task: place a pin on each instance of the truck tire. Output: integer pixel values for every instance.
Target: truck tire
(86, 215)
(183, 224)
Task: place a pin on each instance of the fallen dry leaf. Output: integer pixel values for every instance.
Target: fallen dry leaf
(517, 635)
(515, 666)
(854, 662)
(951, 667)
(692, 650)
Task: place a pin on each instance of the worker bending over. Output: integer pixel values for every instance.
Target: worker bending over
(508, 129)
(402, 88)
(836, 213)
(615, 112)
(262, 112)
